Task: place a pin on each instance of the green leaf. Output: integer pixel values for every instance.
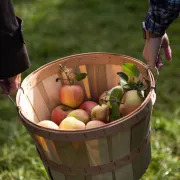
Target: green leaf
(115, 113)
(116, 95)
(123, 78)
(130, 69)
(71, 81)
(127, 87)
(131, 80)
(139, 84)
(80, 76)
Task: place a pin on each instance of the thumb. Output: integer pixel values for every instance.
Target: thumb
(166, 47)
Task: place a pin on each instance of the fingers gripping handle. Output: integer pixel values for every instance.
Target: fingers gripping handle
(154, 76)
(5, 88)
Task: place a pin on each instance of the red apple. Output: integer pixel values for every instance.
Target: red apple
(71, 95)
(59, 113)
(88, 106)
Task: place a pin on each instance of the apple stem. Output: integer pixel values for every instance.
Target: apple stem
(65, 70)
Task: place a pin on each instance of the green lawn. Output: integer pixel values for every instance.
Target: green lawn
(57, 28)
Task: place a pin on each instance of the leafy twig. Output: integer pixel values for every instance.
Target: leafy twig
(78, 76)
(64, 69)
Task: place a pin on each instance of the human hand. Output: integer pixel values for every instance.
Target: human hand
(10, 85)
(152, 48)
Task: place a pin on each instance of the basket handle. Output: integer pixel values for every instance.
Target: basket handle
(154, 75)
(4, 87)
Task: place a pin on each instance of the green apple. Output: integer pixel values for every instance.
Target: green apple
(130, 101)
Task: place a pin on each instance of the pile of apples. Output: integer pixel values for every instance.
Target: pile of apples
(76, 113)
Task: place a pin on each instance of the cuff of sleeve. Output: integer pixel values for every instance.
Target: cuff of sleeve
(155, 27)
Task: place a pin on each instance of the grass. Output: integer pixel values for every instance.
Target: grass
(57, 28)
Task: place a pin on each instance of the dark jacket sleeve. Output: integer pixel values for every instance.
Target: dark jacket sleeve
(13, 54)
(161, 14)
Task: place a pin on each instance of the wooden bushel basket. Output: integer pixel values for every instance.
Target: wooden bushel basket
(119, 150)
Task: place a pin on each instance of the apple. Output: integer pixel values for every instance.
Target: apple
(59, 113)
(104, 96)
(116, 87)
(100, 112)
(130, 101)
(94, 124)
(48, 124)
(71, 123)
(88, 106)
(71, 95)
(80, 114)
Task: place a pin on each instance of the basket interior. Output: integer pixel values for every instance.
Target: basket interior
(41, 90)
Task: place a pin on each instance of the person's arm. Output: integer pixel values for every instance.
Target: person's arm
(160, 15)
(13, 54)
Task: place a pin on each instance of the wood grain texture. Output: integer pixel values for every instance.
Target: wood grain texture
(141, 163)
(104, 176)
(83, 69)
(97, 151)
(72, 153)
(139, 131)
(75, 178)
(125, 172)
(27, 108)
(44, 95)
(52, 88)
(121, 144)
(91, 71)
(82, 83)
(57, 175)
(111, 75)
(66, 153)
(39, 104)
(120, 147)
(49, 149)
(101, 79)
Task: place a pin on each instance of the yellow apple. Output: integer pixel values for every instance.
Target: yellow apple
(100, 112)
(130, 101)
(80, 114)
(71, 123)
